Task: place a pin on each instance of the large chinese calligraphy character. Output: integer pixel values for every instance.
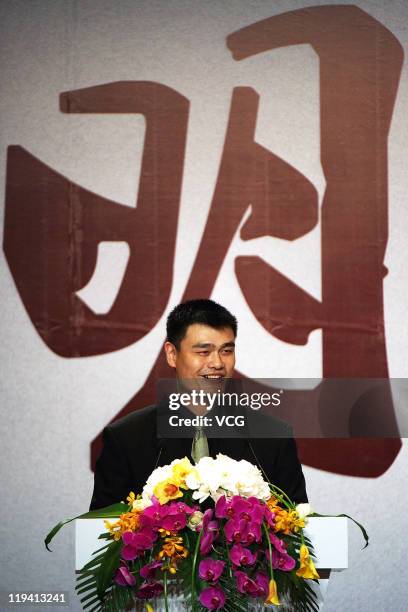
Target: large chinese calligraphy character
(53, 228)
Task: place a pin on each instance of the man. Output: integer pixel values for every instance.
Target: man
(200, 345)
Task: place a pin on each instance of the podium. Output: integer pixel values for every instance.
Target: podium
(329, 536)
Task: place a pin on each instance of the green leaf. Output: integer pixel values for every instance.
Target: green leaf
(95, 578)
(85, 578)
(87, 598)
(118, 598)
(91, 603)
(104, 547)
(109, 563)
(85, 586)
(363, 531)
(93, 562)
(299, 592)
(166, 601)
(113, 511)
(236, 601)
(193, 570)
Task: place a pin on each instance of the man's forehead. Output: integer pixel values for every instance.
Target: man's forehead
(198, 333)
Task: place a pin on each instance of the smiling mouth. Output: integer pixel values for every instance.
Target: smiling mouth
(213, 376)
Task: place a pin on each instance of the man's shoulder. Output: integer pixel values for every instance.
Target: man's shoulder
(134, 420)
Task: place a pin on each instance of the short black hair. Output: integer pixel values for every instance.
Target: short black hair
(206, 312)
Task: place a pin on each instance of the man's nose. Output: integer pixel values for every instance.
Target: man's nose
(216, 361)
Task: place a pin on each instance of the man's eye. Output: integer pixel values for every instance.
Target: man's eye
(203, 353)
(228, 351)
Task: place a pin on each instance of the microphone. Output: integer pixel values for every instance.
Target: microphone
(259, 464)
(161, 445)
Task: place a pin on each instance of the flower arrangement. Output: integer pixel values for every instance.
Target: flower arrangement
(217, 529)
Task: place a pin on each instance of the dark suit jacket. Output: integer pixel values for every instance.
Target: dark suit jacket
(132, 451)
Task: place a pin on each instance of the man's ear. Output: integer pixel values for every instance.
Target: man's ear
(171, 354)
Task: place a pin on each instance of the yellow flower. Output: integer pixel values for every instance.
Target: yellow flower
(293, 522)
(166, 491)
(273, 594)
(114, 529)
(181, 470)
(307, 569)
(131, 498)
(149, 607)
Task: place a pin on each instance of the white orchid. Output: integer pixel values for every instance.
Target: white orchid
(304, 510)
(226, 476)
(141, 504)
(195, 520)
(212, 478)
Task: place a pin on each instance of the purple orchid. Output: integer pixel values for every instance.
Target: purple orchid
(212, 598)
(210, 569)
(262, 581)
(148, 571)
(282, 561)
(269, 517)
(149, 589)
(239, 508)
(245, 584)
(277, 543)
(222, 507)
(123, 577)
(207, 517)
(236, 530)
(136, 543)
(231, 508)
(154, 514)
(210, 532)
(256, 511)
(180, 507)
(206, 543)
(242, 556)
(253, 533)
(174, 522)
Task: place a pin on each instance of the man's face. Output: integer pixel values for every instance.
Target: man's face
(205, 353)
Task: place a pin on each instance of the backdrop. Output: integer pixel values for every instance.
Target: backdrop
(151, 151)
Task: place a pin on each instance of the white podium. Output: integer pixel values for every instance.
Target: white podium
(329, 536)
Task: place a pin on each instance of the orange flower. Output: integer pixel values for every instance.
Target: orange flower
(282, 521)
(273, 503)
(287, 521)
(273, 594)
(174, 550)
(129, 521)
(307, 569)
